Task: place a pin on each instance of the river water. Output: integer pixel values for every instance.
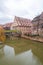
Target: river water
(8, 56)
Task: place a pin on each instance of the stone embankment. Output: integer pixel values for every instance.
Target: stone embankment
(39, 39)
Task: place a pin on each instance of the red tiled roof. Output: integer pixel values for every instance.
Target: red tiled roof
(7, 25)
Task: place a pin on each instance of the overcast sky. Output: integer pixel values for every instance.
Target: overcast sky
(22, 8)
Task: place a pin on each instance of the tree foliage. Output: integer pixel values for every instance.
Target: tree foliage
(2, 35)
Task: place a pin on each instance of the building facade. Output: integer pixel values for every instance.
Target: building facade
(38, 25)
(22, 24)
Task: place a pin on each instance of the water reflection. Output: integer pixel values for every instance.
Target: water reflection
(1, 51)
(27, 58)
(8, 57)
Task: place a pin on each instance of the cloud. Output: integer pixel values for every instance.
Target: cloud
(23, 8)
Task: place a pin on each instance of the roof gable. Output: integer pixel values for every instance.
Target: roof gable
(22, 21)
